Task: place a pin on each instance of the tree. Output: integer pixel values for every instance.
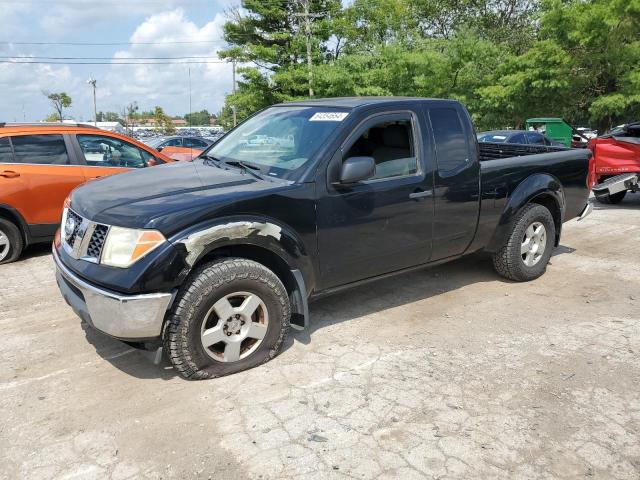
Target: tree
(198, 118)
(59, 101)
(163, 121)
(109, 117)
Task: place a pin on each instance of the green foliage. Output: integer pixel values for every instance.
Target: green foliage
(59, 101)
(163, 121)
(507, 60)
(109, 117)
(198, 118)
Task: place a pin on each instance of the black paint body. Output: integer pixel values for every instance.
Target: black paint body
(334, 235)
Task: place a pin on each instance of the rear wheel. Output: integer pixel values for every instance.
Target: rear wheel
(11, 243)
(612, 199)
(231, 315)
(527, 251)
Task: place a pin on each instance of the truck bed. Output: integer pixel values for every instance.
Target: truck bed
(494, 151)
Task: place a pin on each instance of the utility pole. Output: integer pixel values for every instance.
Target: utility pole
(92, 81)
(190, 96)
(234, 61)
(235, 116)
(307, 16)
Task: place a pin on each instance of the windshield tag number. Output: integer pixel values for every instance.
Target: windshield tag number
(328, 116)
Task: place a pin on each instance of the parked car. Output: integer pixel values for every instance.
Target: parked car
(617, 163)
(40, 164)
(179, 147)
(216, 264)
(521, 137)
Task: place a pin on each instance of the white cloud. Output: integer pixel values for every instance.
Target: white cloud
(118, 85)
(71, 14)
(168, 85)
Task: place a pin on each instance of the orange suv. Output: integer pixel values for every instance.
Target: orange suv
(41, 163)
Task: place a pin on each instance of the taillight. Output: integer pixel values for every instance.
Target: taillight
(591, 177)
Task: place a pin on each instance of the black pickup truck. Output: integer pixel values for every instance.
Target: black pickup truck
(214, 260)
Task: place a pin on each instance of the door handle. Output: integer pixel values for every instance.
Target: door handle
(9, 174)
(421, 194)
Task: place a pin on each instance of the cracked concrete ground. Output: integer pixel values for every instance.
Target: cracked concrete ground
(443, 373)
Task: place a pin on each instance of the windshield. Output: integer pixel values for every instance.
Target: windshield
(155, 142)
(279, 140)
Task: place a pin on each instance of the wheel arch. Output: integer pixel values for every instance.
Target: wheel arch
(542, 189)
(11, 214)
(272, 244)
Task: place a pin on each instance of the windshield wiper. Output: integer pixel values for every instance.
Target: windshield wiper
(247, 167)
(211, 160)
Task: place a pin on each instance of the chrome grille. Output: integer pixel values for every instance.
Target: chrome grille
(77, 221)
(85, 240)
(97, 241)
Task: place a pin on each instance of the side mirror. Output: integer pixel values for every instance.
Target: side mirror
(356, 169)
(159, 149)
(152, 162)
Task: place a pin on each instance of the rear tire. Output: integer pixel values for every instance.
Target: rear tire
(528, 249)
(230, 315)
(11, 242)
(612, 199)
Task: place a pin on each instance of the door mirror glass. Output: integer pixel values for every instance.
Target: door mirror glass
(356, 169)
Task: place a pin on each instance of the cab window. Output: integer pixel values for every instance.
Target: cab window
(173, 142)
(6, 155)
(452, 149)
(535, 138)
(103, 151)
(194, 143)
(40, 149)
(391, 145)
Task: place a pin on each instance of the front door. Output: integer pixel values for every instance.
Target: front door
(384, 223)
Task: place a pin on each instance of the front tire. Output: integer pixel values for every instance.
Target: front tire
(11, 243)
(230, 315)
(526, 253)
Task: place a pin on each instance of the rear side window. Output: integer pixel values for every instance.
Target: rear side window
(40, 149)
(174, 142)
(6, 156)
(451, 142)
(535, 138)
(194, 143)
(518, 138)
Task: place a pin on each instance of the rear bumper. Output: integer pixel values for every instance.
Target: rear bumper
(617, 184)
(126, 317)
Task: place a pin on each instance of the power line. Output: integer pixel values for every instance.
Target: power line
(108, 44)
(38, 62)
(16, 57)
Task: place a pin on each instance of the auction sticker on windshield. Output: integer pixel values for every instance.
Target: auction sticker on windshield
(328, 116)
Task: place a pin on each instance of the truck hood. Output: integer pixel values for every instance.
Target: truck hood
(167, 196)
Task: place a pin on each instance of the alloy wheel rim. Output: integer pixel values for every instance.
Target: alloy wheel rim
(533, 244)
(5, 245)
(234, 327)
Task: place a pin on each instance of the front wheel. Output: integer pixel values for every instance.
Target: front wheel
(11, 243)
(231, 315)
(528, 249)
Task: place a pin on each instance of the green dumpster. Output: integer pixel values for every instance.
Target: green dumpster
(555, 129)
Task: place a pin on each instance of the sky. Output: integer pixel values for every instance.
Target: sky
(129, 22)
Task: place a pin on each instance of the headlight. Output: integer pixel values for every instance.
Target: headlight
(125, 246)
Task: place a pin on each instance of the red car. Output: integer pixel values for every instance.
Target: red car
(617, 163)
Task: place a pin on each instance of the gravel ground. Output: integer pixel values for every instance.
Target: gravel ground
(443, 373)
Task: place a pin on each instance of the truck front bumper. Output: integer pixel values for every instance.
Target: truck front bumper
(126, 317)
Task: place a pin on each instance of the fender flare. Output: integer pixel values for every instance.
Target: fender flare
(263, 233)
(532, 187)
